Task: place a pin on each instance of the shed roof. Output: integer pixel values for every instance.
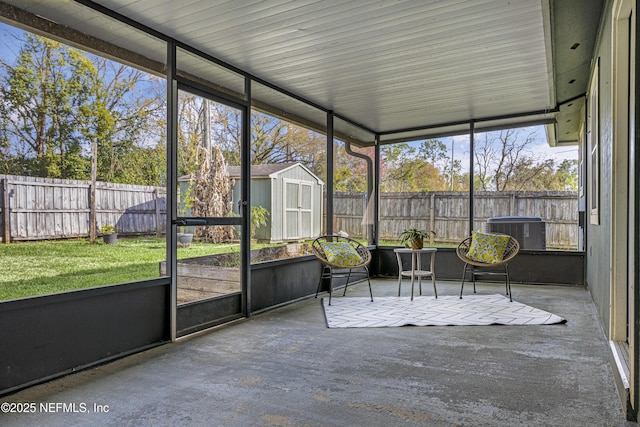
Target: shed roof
(260, 171)
(270, 170)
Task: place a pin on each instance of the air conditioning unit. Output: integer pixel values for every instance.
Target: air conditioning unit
(529, 231)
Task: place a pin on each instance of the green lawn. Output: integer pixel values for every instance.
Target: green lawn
(46, 267)
(38, 268)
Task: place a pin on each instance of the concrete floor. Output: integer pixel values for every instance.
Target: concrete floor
(286, 368)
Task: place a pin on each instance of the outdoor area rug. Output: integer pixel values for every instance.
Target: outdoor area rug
(360, 312)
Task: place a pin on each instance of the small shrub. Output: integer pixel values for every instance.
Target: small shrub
(107, 229)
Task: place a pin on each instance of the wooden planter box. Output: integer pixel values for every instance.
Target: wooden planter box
(215, 275)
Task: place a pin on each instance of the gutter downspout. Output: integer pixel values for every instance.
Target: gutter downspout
(347, 147)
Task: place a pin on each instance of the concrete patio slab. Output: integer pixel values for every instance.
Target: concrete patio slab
(286, 368)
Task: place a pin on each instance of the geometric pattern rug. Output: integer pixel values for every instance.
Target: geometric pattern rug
(360, 312)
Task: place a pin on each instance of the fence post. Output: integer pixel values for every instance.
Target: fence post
(92, 212)
(5, 211)
(92, 192)
(156, 196)
(432, 217)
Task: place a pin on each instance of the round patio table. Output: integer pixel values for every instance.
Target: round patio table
(416, 271)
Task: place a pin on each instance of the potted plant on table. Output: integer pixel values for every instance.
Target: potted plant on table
(414, 238)
(109, 234)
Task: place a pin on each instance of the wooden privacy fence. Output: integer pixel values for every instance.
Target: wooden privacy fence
(447, 213)
(46, 208)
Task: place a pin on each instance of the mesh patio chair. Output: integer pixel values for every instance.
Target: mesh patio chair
(480, 268)
(341, 257)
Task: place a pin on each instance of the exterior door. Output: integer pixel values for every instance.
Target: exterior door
(298, 209)
(624, 233)
(306, 200)
(208, 236)
(632, 214)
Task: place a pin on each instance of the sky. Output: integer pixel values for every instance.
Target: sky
(540, 147)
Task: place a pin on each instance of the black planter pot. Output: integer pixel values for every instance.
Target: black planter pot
(110, 239)
(184, 239)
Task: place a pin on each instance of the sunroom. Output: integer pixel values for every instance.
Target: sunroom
(438, 115)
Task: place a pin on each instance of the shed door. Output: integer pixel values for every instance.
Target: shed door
(298, 209)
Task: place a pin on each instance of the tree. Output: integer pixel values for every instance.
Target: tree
(504, 161)
(567, 175)
(134, 149)
(350, 172)
(458, 181)
(395, 171)
(433, 151)
(190, 132)
(273, 141)
(56, 101)
(406, 168)
(49, 104)
(211, 194)
(226, 131)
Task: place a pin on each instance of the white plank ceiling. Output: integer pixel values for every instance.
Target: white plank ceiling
(389, 65)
